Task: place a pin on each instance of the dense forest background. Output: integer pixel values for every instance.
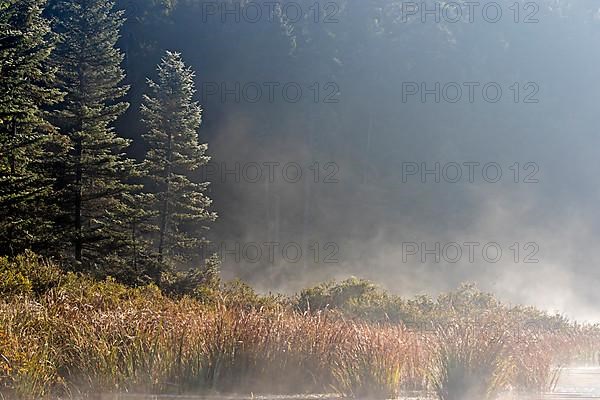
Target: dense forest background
(360, 58)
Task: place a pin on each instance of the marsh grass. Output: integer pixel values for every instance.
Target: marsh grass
(83, 336)
(69, 344)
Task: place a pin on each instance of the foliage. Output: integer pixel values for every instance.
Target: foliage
(27, 274)
(172, 119)
(94, 175)
(240, 295)
(201, 283)
(28, 143)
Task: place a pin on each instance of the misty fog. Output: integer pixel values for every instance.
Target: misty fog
(392, 99)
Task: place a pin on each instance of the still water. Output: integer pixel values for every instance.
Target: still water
(574, 383)
(577, 383)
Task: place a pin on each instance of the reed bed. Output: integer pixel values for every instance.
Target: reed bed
(67, 345)
(470, 360)
(83, 337)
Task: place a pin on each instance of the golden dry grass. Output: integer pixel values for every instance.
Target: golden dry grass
(89, 337)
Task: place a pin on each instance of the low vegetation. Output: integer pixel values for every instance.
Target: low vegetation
(69, 334)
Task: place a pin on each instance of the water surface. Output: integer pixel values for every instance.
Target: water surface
(574, 383)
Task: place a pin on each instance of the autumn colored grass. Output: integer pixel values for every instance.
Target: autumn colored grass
(77, 336)
(149, 343)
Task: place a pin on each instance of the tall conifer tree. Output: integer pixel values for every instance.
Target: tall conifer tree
(28, 143)
(172, 118)
(96, 171)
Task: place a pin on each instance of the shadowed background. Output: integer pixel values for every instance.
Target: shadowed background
(361, 132)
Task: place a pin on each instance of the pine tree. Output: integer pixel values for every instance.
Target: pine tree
(134, 262)
(97, 172)
(28, 143)
(172, 119)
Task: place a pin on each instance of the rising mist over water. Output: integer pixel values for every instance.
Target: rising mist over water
(358, 95)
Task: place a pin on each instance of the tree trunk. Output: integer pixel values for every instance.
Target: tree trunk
(78, 179)
(164, 219)
(13, 163)
(135, 251)
(79, 169)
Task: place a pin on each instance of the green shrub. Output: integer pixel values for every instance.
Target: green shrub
(238, 294)
(197, 282)
(27, 274)
(334, 295)
(363, 299)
